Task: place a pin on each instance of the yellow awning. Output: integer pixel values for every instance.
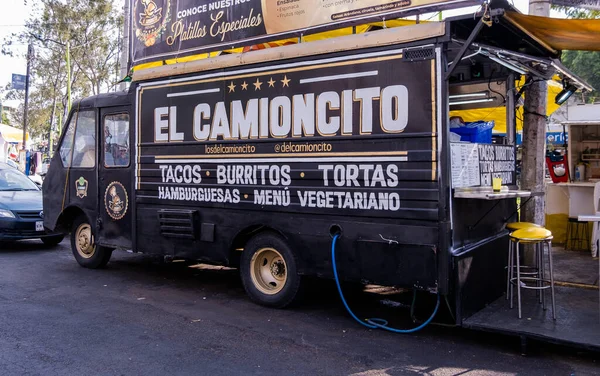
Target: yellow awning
(558, 34)
(498, 114)
(12, 134)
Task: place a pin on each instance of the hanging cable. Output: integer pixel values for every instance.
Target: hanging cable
(373, 323)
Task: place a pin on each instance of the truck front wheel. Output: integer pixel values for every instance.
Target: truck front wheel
(269, 272)
(86, 252)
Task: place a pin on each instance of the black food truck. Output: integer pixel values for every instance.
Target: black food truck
(257, 160)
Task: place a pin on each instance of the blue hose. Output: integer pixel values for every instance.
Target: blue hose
(373, 323)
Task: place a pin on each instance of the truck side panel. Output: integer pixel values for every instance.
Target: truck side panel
(345, 140)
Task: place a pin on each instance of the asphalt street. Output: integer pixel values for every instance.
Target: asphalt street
(144, 317)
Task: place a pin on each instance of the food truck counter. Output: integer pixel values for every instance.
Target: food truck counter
(487, 193)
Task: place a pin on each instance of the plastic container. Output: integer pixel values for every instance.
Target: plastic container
(480, 132)
(580, 172)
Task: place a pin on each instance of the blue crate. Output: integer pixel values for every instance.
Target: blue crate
(479, 132)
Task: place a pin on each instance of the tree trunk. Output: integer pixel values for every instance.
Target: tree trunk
(534, 140)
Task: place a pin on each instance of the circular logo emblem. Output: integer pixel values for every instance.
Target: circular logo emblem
(150, 19)
(116, 200)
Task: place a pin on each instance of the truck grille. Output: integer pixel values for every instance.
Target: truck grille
(178, 223)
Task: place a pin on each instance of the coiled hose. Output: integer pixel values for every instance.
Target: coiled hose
(373, 323)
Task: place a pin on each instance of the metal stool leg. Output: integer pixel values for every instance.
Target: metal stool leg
(508, 268)
(542, 275)
(551, 278)
(512, 274)
(568, 235)
(538, 271)
(587, 239)
(517, 254)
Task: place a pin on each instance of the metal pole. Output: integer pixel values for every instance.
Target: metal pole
(29, 58)
(50, 132)
(68, 76)
(511, 126)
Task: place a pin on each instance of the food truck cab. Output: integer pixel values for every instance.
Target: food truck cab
(257, 160)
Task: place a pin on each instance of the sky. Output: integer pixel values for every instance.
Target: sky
(15, 13)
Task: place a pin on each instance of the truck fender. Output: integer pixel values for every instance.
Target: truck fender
(64, 222)
(241, 238)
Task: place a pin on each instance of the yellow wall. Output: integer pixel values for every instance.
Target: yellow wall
(557, 223)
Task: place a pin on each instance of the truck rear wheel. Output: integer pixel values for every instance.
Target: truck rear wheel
(86, 252)
(269, 272)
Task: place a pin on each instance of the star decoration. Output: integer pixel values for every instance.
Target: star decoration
(244, 85)
(286, 81)
(271, 82)
(257, 84)
(231, 87)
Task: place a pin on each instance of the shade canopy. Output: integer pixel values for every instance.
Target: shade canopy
(12, 134)
(558, 34)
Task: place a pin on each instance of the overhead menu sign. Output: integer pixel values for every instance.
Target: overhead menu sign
(164, 29)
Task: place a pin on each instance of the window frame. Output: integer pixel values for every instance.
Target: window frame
(104, 116)
(95, 112)
(73, 115)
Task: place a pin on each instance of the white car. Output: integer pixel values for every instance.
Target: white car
(45, 166)
(37, 179)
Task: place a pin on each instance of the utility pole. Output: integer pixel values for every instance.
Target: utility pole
(124, 59)
(534, 135)
(29, 58)
(68, 57)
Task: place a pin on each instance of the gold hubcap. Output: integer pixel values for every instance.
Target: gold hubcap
(84, 241)
(268, 271)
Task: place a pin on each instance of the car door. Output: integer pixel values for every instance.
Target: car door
(115, 179)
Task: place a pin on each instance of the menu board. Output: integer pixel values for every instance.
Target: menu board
(464, 159)
(476, 164)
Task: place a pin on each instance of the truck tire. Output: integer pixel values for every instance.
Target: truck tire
(87, 254)
(269, 272)
(52, 241)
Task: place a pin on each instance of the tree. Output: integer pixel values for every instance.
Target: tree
(586, 64)
(91, 29)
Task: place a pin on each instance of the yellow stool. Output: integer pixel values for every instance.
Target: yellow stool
(539, 237)
(512, 226)
(519, 225)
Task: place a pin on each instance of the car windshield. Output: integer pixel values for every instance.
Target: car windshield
(13, 180)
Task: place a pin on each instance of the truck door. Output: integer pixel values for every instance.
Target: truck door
(115, 179)
(71, 180)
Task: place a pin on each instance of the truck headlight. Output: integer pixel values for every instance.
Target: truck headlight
(6, 214)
